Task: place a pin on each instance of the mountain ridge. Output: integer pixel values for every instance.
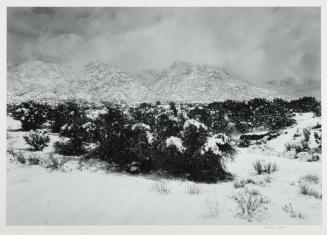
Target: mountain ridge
(97, 81)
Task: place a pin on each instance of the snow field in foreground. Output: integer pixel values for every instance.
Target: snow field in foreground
(37, 196)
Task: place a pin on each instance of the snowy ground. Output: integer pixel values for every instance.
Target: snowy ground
(91, 196)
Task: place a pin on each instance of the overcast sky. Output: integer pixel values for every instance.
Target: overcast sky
(256, 44)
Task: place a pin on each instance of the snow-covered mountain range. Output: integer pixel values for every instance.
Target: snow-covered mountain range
(97, 81)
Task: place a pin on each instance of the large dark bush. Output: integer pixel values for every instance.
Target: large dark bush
(112, 133)
(64, 113)
(196, 154)
(31, 114)
(77, 128)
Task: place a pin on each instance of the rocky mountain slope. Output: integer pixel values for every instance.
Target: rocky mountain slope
(295, 87)
(185, 82)
(94, 82)
(97, 81)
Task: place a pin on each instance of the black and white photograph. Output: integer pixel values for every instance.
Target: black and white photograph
(182, 115)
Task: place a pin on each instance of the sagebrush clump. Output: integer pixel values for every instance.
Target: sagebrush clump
(37, 139)
(250, 202)
(264, 167)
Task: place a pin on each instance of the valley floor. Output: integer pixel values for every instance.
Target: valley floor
(88, 195)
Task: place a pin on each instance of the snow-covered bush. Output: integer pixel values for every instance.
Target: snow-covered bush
(201, 115)
(205, 153)
(140, 146)
(64, 113)
(176, 143)
(37, 139)
(78, 129)
(172, 158)
(112, 134)
(31, 114)
(145, 113)
(167, 124)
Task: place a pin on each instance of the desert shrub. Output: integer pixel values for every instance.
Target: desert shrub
(310, 179)
(296, 147)
(145, 113)
(288, 208)
(64, 113)
(52, 163)
(113, 133)
(241, 183)
(193, 189)
(161, 188)
(279, 119)
(244, 116)
(201, 114)
(172, 157)
(208, 163)
(238, 113)
(305, 189)
(306, 134)
(318, 138)
(288, 147)
(297, 134)
(213, 207)
(33, 160)
(10, 149)
(244, 143)
(195, 154)
(32, 115)
(263, 167)
(68, 148)
(20, 157)
(140, 146)
(37, 139)
(167, 124)
(249, 202)
(204, 153)
(304, 146)
(78, 129)
(306, 104)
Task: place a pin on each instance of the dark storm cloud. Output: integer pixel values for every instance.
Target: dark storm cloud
(253, 43)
